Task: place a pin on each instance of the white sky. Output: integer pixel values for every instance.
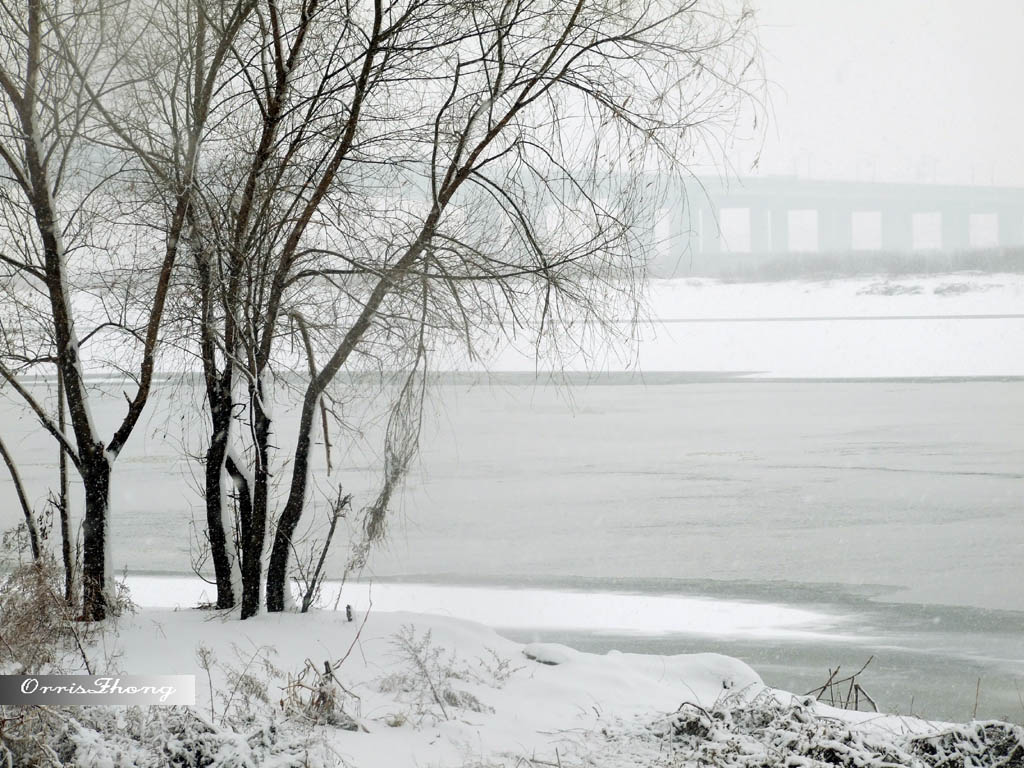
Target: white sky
(894, 90)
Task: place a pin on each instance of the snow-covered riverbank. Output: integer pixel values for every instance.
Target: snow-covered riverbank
(410, 689)
(927, 659)
(959, 324)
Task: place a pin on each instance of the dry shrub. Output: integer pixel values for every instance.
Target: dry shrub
(427, 678)
(317, 697)
(38, 631)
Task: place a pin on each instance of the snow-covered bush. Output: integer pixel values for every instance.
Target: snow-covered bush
(493, 670)
(29, 736)
(152, 737)
(976, 744)
(768, 731)
(425, 682)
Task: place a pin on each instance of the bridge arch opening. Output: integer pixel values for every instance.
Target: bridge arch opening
(984, 230)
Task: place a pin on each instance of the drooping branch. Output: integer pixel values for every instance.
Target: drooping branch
(41, 414)
(26, 508)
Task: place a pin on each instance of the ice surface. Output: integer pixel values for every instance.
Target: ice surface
(548, 609)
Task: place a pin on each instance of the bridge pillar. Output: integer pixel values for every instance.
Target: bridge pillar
(710, 237)
(682, 229)
(1011, 227)
(677, 238)
(897, 229)
(835, 231)
(780, 229)
(956, 229)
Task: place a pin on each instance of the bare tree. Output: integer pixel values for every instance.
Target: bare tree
(193, 88)
(399, 177)
(356, 184)
(305, 75)
(537, 130)
(70, 77)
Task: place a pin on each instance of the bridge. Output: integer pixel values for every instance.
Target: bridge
(777, 215)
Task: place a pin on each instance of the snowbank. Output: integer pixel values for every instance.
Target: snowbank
(400, 689)
(529, 697)
(408, 689)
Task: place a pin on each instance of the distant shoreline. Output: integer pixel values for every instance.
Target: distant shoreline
(605, 378)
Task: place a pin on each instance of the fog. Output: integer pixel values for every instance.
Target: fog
(907, 91)
(797, 440)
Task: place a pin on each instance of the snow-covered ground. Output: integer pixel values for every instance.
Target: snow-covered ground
(534, 711)
(957, 324)
(413, 689)
(927, 658)
(962, 324)
(955, 294)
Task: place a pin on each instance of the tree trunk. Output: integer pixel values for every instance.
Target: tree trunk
(63, 504)
(252, 563)
(277, 571)
(243, 495)
(95, 586)
(219, 553)
(221, 401)
(223, 558)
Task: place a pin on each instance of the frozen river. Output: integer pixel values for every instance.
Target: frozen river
(894, 508)
(909, 489)
(913, 488)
